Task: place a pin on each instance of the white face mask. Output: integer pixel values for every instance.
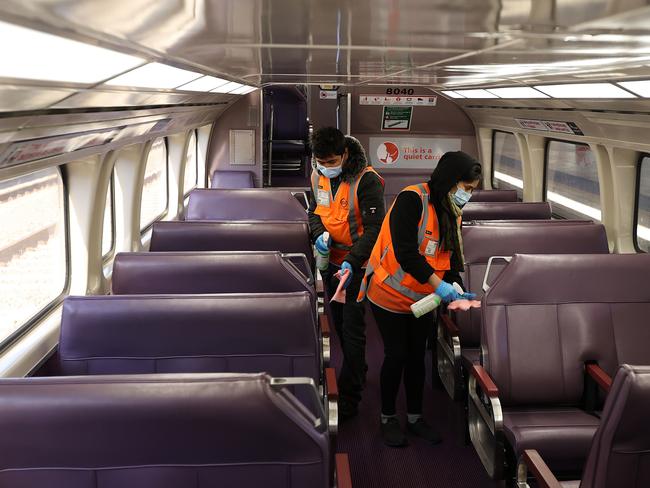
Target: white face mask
(461, 197)
(331, 172)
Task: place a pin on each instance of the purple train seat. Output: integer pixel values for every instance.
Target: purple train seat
(192, 272)
(286, 237)
(258, 204)
(547, 319)
(159, 431)
(396, 181)
(494, 196)
(619, 452)
(506, 210)
(232, 179)
(459, 336)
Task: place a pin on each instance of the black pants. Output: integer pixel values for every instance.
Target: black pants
(351, 330)
(405, 339)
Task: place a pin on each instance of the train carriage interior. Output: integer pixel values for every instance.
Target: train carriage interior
(163, 320)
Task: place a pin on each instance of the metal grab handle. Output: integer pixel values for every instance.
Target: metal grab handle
(321, 423)
(292, 257)
(304, 197)
(507, 259)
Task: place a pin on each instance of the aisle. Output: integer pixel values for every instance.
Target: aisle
(419, 465)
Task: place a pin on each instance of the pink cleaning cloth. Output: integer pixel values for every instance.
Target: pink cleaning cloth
(464, 305)
(339, 294)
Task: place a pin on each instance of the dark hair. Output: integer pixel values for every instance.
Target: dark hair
(452, 168)
(327, 141)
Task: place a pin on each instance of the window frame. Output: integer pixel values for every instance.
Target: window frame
(547, 143)
(196, 164)
(109, 254)
(35, 319)
(494, 132)
(637, 197)
(162, 215)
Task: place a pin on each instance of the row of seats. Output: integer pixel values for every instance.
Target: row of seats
(553, 327)
(194, 352)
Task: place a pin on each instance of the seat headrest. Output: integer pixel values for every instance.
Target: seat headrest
(494, 196)
(506, 210)
(232, 179)
(258, 204)
(482, 242)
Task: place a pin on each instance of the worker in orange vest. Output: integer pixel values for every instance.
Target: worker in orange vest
(419, 251)
(348, 204)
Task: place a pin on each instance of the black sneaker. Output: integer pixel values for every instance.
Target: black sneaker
(423, 430)
(391, 432)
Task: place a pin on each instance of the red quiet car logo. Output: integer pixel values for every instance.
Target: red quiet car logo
(388, 153)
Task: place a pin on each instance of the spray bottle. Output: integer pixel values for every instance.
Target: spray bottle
(323, 259)
(430, 302)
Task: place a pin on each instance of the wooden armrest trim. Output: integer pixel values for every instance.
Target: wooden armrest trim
(599, 376)
(324, 324)
(545, 478)
(343, 476)
(450, 325)
(485, 381)
(332, 386)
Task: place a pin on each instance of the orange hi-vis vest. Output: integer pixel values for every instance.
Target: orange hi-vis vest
(340, 213)
(386, 284)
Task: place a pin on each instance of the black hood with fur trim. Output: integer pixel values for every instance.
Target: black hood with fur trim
(356, 161)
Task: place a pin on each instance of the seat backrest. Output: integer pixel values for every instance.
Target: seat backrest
(245, 333)
(506, 210)
(251, 204)
(480, 242)
(494, 196)
(521, 223)
(545, 316)
(619, 451)
(396, 181)
(195, 272)
(286, 237)
(232, 179)
(157, 431)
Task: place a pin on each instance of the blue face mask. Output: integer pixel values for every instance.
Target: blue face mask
(461, 197)
(330, 172)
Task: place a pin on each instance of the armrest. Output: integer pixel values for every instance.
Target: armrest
(320, 288)
(332, 386)
(601, 378)
(545, 478)
(485, 381)
(343, 477)
(324, 324)
(449, 324)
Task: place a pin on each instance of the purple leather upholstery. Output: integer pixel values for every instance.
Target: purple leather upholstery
(494, 196)
(480, 242)
(157, 431)
(396, 181)
(544, 317)
(207, 272)
(243, 333)
(521, 223)
(232, 179)
(619, 453)
(286, 237)
(255, 204)
(506, 210)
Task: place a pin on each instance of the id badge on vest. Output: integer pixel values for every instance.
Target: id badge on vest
(323, 198)
(431, 248)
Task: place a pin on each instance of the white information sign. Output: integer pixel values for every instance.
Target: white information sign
(550, 126)
(412, 100)
(328, 94)
(410, 152)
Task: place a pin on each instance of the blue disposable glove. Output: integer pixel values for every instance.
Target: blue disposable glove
(468, 296)
(464, 295)
(322, 246)
(346, 266)
(447, 292)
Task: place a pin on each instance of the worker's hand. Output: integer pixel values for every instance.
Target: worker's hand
(447, 292)
(322, 245)
(464, 295)
(346, 267)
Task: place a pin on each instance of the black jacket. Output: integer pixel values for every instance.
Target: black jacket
(404, 220)
(370, 194)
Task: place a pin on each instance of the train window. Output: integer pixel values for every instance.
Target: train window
(642, 232)
(572, 180)
(108, 236)
(507, 170)
(154, 191)
(191, 169)
(33, 255)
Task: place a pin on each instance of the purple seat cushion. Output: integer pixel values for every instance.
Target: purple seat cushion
(232, 179)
